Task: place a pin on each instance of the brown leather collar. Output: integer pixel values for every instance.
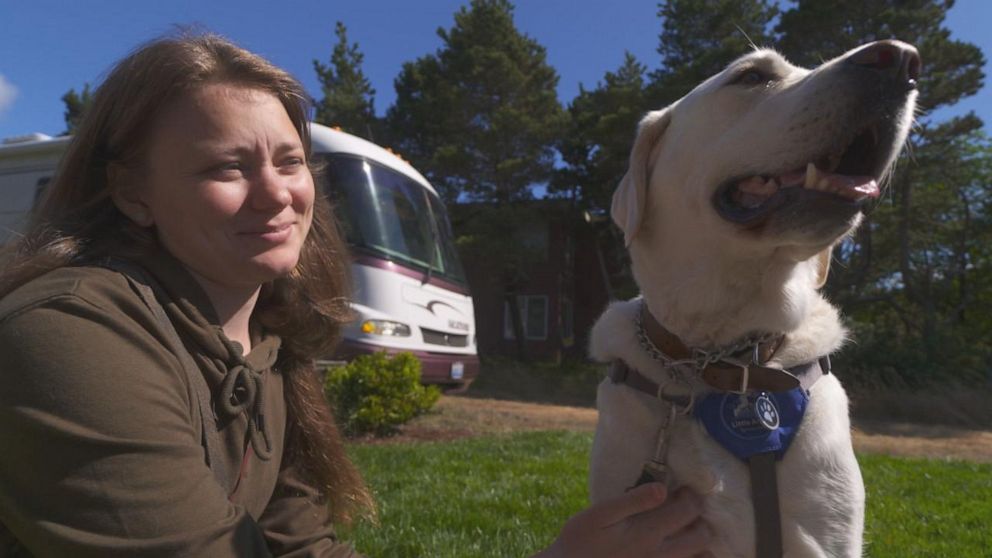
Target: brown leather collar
(738, 374)
(807, 374)
(670, 344)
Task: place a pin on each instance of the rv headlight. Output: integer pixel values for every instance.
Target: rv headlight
(385, 327)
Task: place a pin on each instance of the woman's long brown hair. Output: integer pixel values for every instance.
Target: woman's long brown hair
(78, 220)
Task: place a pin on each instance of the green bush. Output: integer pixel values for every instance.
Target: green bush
(373, 394)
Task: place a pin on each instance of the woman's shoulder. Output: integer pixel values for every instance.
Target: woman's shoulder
(92, 286)
(84, 319)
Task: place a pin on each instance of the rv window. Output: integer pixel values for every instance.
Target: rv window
(389, 215)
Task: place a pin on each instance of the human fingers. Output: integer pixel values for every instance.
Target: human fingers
(599, 530)
(638, 500)
(692, 541)
(657, 525)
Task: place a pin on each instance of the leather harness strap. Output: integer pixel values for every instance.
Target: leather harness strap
(726, 376)
(764, 501)
(738, 377)
(764, 479)
(805, 374)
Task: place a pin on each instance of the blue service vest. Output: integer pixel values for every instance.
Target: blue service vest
(754, 422)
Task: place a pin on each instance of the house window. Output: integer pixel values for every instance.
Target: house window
(533, 314)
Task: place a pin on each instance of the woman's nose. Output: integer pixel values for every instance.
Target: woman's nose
(270, 189)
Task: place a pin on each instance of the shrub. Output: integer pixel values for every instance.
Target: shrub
(373, 394)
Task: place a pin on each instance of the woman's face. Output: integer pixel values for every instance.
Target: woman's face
(227, 185)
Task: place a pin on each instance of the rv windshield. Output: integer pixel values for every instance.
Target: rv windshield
(387, 214)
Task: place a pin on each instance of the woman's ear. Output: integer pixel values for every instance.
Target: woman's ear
(124, 192)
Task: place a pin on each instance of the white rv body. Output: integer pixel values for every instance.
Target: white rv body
(27, 164)
(405, 267)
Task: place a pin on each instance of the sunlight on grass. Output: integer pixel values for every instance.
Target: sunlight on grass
(484, 497)
(927, 508)
(509, 495)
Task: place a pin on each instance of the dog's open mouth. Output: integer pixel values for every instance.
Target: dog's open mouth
(847, 176)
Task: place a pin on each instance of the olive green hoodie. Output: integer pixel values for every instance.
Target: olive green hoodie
(100, 429)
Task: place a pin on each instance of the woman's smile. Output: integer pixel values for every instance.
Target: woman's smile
(272, 234)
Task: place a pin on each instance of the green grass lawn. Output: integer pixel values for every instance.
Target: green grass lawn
(927, 508)
(479, 497)
(509, 496)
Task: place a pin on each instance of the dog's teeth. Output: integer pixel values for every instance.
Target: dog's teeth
(823, 184)
(812, 178)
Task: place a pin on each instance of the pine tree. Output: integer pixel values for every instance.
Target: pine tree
(700, 37)
(481, 115)
(75, 105)
(599, 133)
(348, 96)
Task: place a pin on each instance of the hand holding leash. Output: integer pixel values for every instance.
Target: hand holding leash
(641, 523)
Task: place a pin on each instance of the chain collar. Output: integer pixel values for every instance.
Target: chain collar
(700, 358)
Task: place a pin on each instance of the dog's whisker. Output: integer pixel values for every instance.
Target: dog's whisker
(746, 37)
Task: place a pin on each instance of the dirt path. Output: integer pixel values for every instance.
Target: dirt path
(919, 440)
(458, 417)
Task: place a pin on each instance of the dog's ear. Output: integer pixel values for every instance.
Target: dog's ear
(823, 266)
(629, 198)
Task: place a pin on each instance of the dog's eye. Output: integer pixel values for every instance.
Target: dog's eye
(751, 78)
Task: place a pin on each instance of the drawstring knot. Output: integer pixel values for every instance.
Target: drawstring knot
(242, 391)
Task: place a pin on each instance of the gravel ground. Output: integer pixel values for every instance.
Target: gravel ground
(458, 417)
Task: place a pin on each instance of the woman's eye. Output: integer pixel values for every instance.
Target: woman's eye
(228, 170)
(291, 164)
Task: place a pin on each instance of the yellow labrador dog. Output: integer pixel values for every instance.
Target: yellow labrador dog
(734, 196)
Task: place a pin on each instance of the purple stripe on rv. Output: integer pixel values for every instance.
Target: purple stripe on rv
(435, 367)
(370, 261)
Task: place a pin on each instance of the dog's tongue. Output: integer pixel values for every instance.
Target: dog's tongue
(853, 187)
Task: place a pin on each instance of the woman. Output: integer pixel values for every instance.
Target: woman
(182, 241)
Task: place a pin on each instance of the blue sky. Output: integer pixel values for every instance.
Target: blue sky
(49, 46)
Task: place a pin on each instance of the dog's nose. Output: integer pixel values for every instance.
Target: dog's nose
(893, 57)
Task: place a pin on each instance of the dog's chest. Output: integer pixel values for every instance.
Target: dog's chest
(819, 482)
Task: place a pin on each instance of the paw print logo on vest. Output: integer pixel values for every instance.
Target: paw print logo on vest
(754, 422)
(766, 412)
